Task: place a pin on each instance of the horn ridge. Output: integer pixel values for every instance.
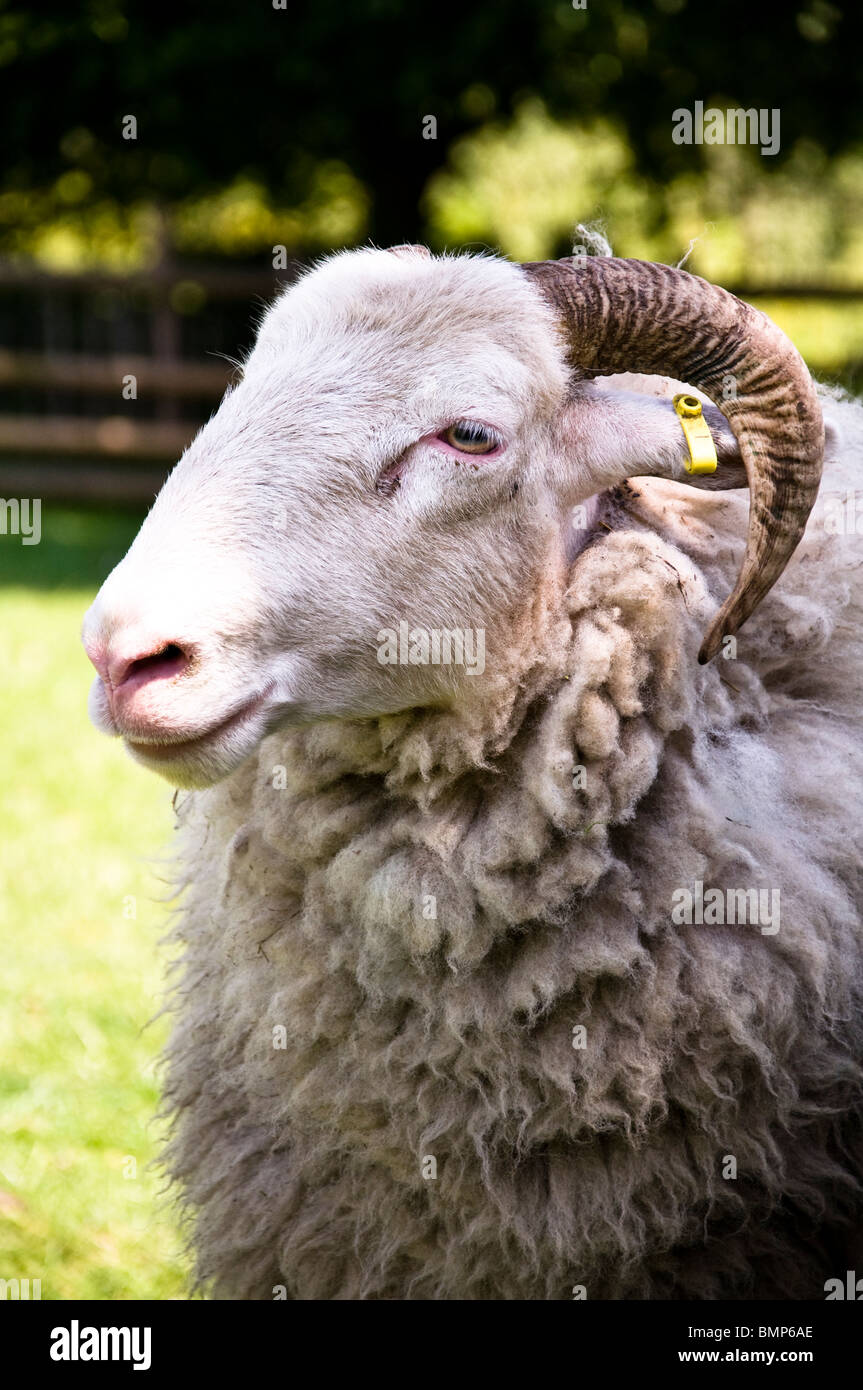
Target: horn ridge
(625, 315)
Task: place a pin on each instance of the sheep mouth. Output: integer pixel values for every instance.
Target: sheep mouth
(172, 748)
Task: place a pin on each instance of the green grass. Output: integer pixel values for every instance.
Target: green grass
(828, 333)
(80, 917)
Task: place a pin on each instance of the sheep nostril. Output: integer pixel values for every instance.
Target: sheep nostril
(168, 661)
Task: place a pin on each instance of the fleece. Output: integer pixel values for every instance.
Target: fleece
(440, 1032)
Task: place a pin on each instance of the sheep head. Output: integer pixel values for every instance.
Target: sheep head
(406, 443)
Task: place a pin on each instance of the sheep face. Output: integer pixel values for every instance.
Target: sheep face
(359, 525)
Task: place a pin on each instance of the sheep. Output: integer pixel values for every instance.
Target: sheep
(463, 1009)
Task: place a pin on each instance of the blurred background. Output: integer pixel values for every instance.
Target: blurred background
(159, 181)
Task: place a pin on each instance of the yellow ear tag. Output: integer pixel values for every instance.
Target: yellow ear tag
(702, 451)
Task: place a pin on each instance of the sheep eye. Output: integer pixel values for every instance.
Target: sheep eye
(471, 437)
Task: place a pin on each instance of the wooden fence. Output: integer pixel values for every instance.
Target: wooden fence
(104, 379)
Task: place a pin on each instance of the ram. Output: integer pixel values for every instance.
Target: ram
(440, 1032)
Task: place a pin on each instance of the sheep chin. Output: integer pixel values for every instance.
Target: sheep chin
(201, 761)
(190, 769)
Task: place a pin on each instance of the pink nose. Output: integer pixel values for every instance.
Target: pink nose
(127, 663)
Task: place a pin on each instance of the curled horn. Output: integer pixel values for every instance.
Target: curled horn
(622, 315)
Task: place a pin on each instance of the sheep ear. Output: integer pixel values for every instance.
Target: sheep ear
(606, 435)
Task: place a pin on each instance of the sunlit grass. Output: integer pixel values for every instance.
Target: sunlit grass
(80, 917)
(828, 333)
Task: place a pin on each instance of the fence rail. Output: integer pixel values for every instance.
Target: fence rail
(115, 436)
(101, 375)
(218, 282)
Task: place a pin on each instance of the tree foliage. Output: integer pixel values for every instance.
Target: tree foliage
(266, 92)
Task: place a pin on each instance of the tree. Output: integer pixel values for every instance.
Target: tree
(270, 88)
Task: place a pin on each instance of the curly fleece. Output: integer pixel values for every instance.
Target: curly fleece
(373, 1076)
